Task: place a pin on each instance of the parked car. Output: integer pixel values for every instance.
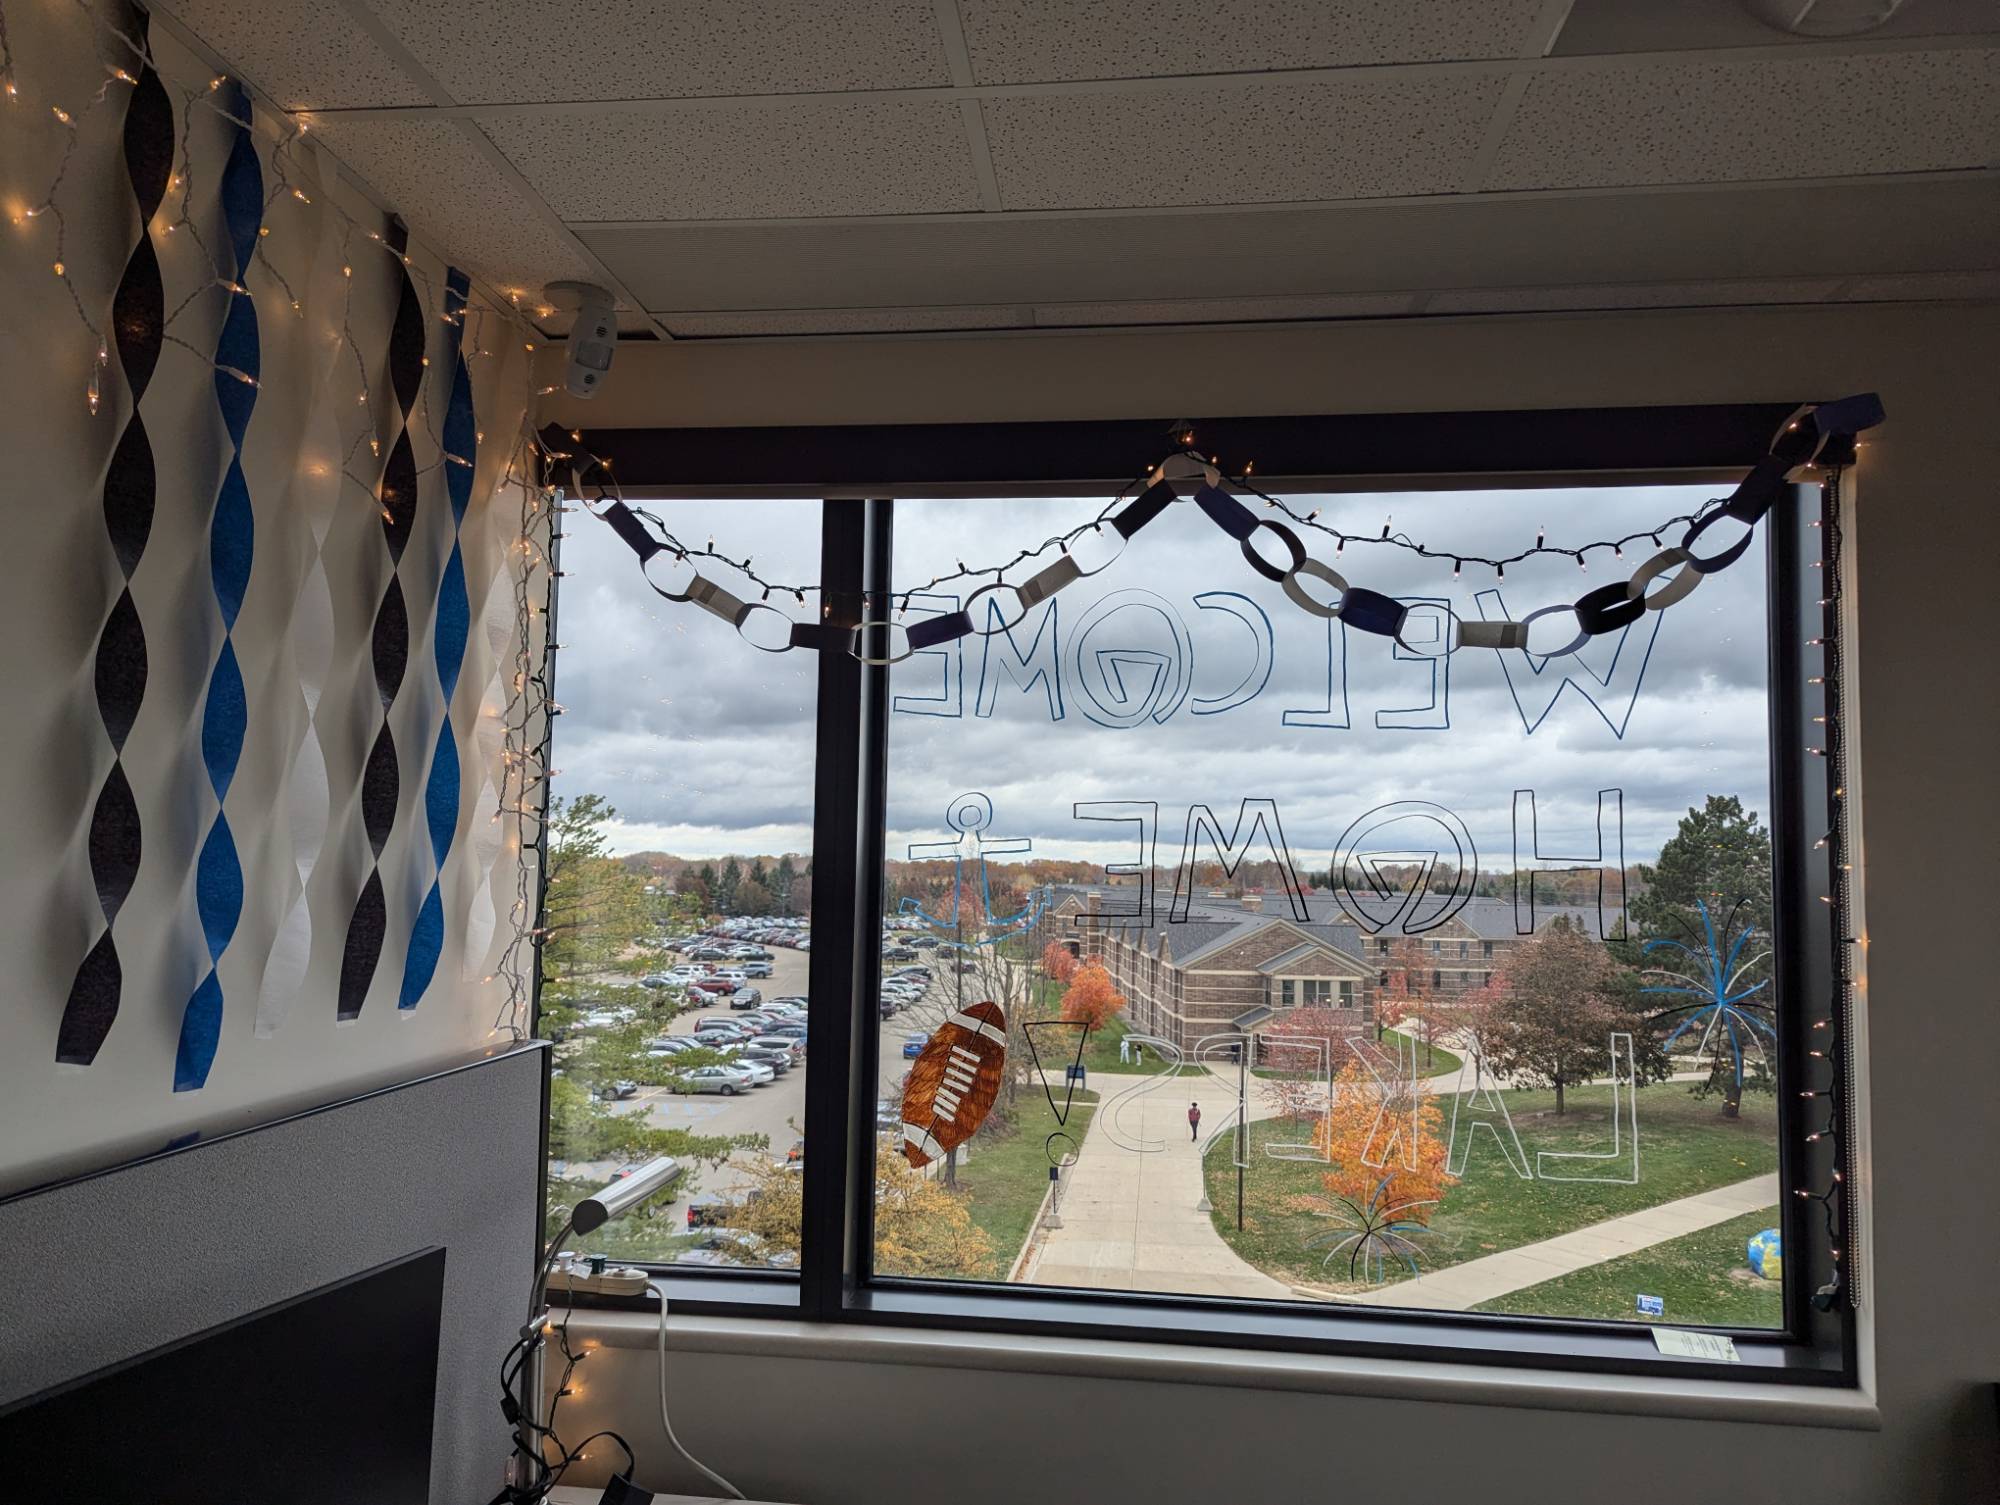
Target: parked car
(727, 1080)
(709, 1211)
(723, 1031)
(656, 980)
(715, 987)
(614, 1091)
(746, 998)
(756, 969)
(924, 942)
(898, 953)
(777, 1059)
(761, 1075)
(913, 1046)
(607, 1018)
(791, 1000)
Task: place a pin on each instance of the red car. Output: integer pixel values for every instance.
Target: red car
(720, 987)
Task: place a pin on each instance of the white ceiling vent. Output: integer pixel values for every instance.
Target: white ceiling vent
(1824, 18)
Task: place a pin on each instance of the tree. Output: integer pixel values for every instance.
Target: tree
(1091, 998)
(595, 905)
(1300, 1050)
(783, 877)
(1567, 999)
(1705, 916)
(1058, 962)
(726, 884)
(1409, 993)
(922, 1228)
(1355, 1119)
(1476, 1016)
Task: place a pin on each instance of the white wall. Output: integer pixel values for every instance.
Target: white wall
(1923, 554)
(61, 580)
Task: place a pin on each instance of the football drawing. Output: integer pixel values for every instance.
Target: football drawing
(954, 1082)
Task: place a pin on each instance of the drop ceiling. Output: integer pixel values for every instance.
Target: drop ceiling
(756, 168)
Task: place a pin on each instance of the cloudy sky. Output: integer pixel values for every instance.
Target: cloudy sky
(705, 745)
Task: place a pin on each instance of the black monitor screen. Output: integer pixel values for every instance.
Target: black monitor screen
(323, 1400)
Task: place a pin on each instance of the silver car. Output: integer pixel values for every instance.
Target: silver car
(727, 1080)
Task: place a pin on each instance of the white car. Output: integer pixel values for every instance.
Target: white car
(727, 1080)
(760, 1076)
(606, 1018)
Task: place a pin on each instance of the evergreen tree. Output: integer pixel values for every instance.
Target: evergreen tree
(1720, 859)
(783, 876)
(726, 884)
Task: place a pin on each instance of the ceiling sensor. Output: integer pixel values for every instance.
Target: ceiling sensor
(1823, 18)
(593, 336)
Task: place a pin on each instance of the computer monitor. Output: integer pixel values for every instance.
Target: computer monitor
(325, 1399)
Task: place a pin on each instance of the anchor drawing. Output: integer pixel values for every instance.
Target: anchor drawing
(969, 816)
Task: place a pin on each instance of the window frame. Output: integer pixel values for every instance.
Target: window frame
(854, 469)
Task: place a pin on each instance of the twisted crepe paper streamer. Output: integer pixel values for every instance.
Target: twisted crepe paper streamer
(389, 643)
(453, 622)
(138, 313)
(489, 740)
(311, 492)
(218, 889)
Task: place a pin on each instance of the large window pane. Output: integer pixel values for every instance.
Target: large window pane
(680, 879)
(1411, 980)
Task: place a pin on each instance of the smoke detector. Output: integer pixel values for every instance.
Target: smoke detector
(593, 334)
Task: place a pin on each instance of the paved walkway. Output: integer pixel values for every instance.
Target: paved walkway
(1459, 1288)
(1129, 1204)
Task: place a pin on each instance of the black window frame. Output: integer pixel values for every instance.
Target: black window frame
(855, 469)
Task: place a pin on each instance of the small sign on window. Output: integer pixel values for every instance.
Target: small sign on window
(1652, 1306)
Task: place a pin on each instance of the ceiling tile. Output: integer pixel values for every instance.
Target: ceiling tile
(316, 58)
(838, 321)
(435, 175)
(1629, 295)
(1239, 143)
(1223, 310)
(669, 49)
(1731, 121)
(788, 159)
(1029, 41)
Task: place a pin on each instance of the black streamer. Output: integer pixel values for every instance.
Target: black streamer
(389, 642)
(138, 318)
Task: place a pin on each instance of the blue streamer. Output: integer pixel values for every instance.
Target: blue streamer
(232, 538)
(448, 638)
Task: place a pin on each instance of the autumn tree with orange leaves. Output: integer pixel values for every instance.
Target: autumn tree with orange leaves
(1058, 962)
(1091, 998)
(1351, 1120)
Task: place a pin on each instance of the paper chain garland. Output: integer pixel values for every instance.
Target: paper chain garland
(669, 569)
(231, 545)
(453, 622)
(389, 644)
(138, 312)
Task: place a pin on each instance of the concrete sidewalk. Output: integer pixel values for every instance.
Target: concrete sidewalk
(1461, 1287)
(1129, 1218)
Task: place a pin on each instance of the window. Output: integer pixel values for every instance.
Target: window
(1126, 721)
(679, 895)
(1094, 776)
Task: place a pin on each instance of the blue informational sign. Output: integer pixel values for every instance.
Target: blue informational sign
(1652, 1306)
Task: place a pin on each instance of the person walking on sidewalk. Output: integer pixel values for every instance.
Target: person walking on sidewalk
(1194, 1122)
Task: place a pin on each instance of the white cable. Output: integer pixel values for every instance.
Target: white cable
(667, 1424)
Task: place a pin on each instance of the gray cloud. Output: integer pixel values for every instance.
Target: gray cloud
(706, 746)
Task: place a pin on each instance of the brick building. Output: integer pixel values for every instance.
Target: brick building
(1232, 965)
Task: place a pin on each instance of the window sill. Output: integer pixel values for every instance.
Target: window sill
(1328, 1374)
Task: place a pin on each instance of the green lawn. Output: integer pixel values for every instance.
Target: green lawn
(1685, 1146)
(1432, 1060)
(1704, 1278)
(1006, 1176)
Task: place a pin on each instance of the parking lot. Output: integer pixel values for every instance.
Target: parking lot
(776, 1109)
